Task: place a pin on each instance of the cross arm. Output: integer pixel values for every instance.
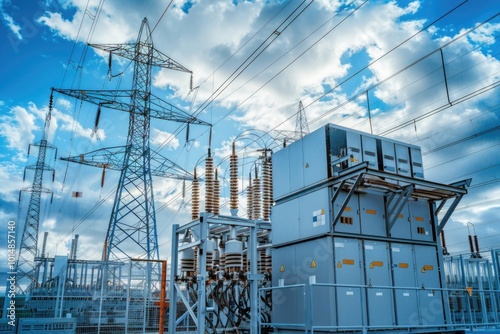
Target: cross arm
(128, 51)
(113, 158)
(120, 100)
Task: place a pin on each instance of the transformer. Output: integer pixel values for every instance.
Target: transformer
(355, 235)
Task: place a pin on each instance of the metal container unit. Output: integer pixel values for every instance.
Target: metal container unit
(355, 229)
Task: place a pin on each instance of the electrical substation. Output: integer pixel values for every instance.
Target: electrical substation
(342, 233)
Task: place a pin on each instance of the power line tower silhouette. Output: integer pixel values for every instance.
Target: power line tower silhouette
(301, 125)
(25, 266)
(132, 226)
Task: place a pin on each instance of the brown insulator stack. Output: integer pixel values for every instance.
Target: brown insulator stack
(265, 262)
(222, 254)
(216, 194)
(267, 189)
(195, 260)
(233, 182)
(261, 266)
(256, 211)
(250, 198)
(209, 183)
(195, 198)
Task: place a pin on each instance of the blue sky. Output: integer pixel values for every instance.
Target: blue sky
(324, 57)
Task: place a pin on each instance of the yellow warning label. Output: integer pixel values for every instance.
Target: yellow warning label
(400, 215)
(403, 265)
(322, 211)
(371, 212)
(339, 265)
(428, 267)
(347, 208)
(282, 268)
(469, 290)
(348, 261)
(377, 263)
(313, 264)
(419, 219)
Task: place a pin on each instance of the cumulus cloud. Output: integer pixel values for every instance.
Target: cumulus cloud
(18, 129)
(164, 139)
(12, 182)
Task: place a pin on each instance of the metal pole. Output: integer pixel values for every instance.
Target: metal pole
(127, 305)
(162, 295)
(174, 261)
(254, 280)
(104, 270)
(202, 269)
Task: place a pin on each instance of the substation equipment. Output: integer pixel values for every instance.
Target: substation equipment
(356, 235)
(220, 263)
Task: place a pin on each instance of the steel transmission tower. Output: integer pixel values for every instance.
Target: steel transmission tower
(301, 125)
(25, 266)
(132, 226)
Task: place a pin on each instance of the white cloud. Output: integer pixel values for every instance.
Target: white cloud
(18, 128)
(14, 27)
(12, 182)
(49, 224)
(66, 104)
(164, 139)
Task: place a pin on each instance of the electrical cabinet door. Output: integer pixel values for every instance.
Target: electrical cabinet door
(372, 214)
(378, 273)
(349, 219)
(370, 151)
(287, 302)
(314, 264)
(314, 214)
(281, 173)
(354, 148)
(402, 227)
(416, 162)
(403, 275)
(431, 301)
(315, 157)
(420, 220)
(296, 164)
(348, 258)
(403, 160)
(388, 156)
(285, 218)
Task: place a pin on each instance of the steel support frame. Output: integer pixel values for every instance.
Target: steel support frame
(357, 181)
(395, 200)
(201, 230)
(463, 185)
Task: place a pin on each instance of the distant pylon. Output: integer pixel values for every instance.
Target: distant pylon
(301, 125)
(132, 226)
(25, 266)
